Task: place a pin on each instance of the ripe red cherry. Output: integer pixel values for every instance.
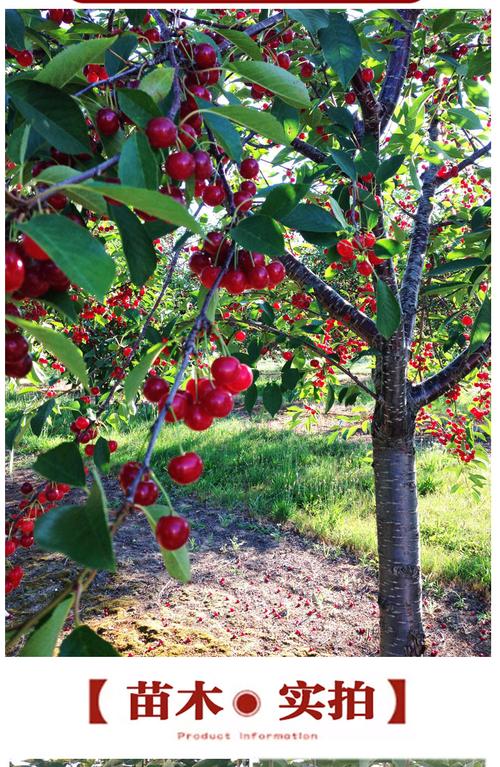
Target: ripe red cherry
(153, 35)
(258, 277)
(248, 260)
(364, 268)
(34, 283)
(196, 418)
(224, 369)
(26, 488)
(10, 547)
(56, 15)
(177, 409)
(172, 532)
(209, 275)
(112, 445)
(203, 165)
(213, 195)
(218, 402)
(283, 60)
(32, 249)
(240, 335)
(180, 165)
(16, 347)
(185, 469)
(20, 368)
(249, 168)
(367, 75)
(369, 240)
(198, 261)
(187, 135)
(55, 276)
(82, 423)
(161, 132)
(467, 321)
(307, 70)
(155, 389)
(345, 249)
(276, 272)
(14, 267)
(128, 473)
(242, 201)
(25, 58)
(204, 56)
(350, 97)
(234, 281)
(68, 16)
(248, 187)
(198, 387)
(107, 121)
(146, 493)
(241, 381)
(216, 244)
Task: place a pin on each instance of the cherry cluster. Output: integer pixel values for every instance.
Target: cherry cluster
(86, 432)
(360, 250)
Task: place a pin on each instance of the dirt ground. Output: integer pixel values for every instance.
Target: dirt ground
(257, 589)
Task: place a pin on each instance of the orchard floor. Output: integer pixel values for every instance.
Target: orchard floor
(257, 589)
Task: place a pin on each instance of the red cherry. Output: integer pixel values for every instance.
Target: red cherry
(14, 267)
(187, 135)
(276, 272)
(26, 488)
(161, 132)
(24, 58)
(283, 60)
(32, 249)
(248, 187)
(209, 275)
(307, 70)
(55, 276)
(107, 122)
(185, 469)
(249, 168)
(258, 277)
(153, 35)
(10, 548)
(248, 260)
(213, 195)
(224, 369)
(82, 423)
(112, 445)
(198, 387)
(204, 56)
(242, 201)
(20, 368)
(234, 281)
(203, 165)
(68, 16)
(218, 402)
(240, 335)
(180, 165)
(88, 450)
(172, 532)
(350, 97)
(216, 244)
(128, 473)
(467, 321)
(345, 249)
(16, 347)
(56, 15)
(155, 389)
(369, 240)
(367, 75)
(146, 493)
(177, 409)
(364, 268)
(196, 418)
(198, 261)
(241, 381)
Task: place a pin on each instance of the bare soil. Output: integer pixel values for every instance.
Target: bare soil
(257, 589)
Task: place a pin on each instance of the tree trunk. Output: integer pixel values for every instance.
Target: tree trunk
(400, 589)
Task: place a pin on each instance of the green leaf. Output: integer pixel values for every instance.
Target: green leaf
(282, 199)
(288, 117)
(154, 203)
(345, 163)
(242, 41)
(385, 247)
(61, 347)
(272, 398)
(137, 105)
(341, 116)
(311, 218)
(42, 641)
(41, 414)
(250, 398)
(54, 114)
(79, 532)
(285, 85)
(62, 463)
(85, 643)
(226, 134)
(389, 167)
(388, 310)
(138, 248)
(138, 164)
(290, 377)
(101, 454)
(312, 20)
(58, 173)
(14, 29)
(259, 233)
(464, 118)
(458, 265)
(137, 374)
(176, 562)
(341, 47)
(330, 399)
(443, 20)
(158, 83)
(81, 256)
(480, 63)
(63, 304)
(482, 326)
(72, 59)
(262, 122)
(116, 58)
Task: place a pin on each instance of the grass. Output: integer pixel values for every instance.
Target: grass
(322, 488)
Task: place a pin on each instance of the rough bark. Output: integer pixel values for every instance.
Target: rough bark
(400, 589)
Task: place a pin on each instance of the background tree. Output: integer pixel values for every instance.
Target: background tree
(347, 152)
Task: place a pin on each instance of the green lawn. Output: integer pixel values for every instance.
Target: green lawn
(323, 488)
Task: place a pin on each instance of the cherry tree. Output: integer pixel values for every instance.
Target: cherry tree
(329, 176)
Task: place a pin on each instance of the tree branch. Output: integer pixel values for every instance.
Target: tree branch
(397, 67)
(435, 386)
(332, 301)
